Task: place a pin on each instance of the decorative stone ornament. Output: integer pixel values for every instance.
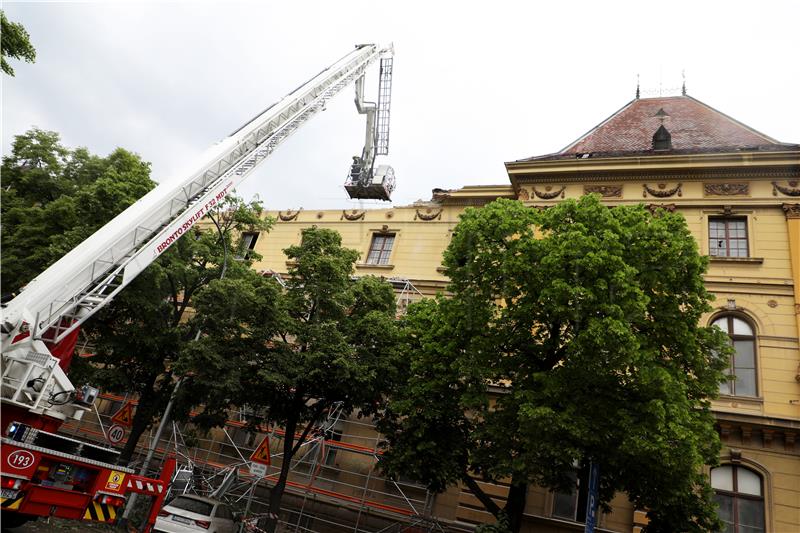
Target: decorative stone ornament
(289, 215)
(791, 210)
(429, 214)
(791, 190)
(726, 189)
(606, 191)
(352, 215)
(653, 208)
(661, 191)
(549, 193)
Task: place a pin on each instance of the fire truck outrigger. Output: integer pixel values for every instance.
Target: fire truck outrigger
(46, 474)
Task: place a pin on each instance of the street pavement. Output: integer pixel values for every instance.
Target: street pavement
(57, 525)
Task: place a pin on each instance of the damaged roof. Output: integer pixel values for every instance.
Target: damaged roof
(694, 127)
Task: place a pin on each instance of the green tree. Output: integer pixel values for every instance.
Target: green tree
(571, 337)
(323, 341)
(15, 43)
(53, 198)
(137, 340)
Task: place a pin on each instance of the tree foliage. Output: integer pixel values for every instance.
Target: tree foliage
(321, 342)
(571, 337)
(15, 43)
(138, 339)
(52, 199)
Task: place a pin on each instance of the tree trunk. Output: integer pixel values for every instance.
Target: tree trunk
(488, 503)
(277, 491)
(141, 421)
(515, 504)
(138, 428)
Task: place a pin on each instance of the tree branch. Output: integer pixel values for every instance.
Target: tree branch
(174, 293)
(484, 498)
(318, 408)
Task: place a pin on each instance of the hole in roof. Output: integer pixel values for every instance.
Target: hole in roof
(662, 140)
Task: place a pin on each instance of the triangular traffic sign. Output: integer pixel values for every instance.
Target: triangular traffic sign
(124, 416)
(261, 454)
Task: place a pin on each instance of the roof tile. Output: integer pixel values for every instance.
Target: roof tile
(693, 125)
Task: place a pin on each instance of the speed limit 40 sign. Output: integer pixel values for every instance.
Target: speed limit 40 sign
(115, 434)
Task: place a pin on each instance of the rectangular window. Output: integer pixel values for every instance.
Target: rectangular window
(727, 237)
(565, 504)
(572, 505)
(247, 245)
(188, 503)
(380, 249)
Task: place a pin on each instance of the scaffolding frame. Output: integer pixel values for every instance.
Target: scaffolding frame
(316, 477)
(357, 495)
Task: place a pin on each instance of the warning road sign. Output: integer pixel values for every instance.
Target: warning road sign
(261, 454)
(124, 416)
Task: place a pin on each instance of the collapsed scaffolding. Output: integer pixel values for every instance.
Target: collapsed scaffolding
(335, 483)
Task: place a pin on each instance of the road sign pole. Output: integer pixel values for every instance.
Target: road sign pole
(249, 501)
(593, 498)
(146, 464)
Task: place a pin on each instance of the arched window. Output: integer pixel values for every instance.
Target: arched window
(743, 362)
(739, 493)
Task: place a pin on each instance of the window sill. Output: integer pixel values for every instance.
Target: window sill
(738, 401)
(745, 260)
(379, 267)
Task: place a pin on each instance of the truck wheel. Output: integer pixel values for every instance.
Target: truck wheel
(15, 519)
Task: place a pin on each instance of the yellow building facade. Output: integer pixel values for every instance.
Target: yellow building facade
(739, 191)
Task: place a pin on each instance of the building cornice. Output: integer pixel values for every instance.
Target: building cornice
(711, 204)
(687, 175)
(757, 420)
(767, 164)
(474, 194)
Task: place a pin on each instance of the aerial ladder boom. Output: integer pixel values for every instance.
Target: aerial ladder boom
(65, 295)
(365, 181)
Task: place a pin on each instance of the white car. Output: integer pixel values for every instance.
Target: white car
(188, 513)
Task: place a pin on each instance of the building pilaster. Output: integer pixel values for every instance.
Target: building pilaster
(792, 212)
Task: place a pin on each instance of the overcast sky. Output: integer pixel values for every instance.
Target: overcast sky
(473, 86)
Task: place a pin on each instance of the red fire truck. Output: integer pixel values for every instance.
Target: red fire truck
(44, 473)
